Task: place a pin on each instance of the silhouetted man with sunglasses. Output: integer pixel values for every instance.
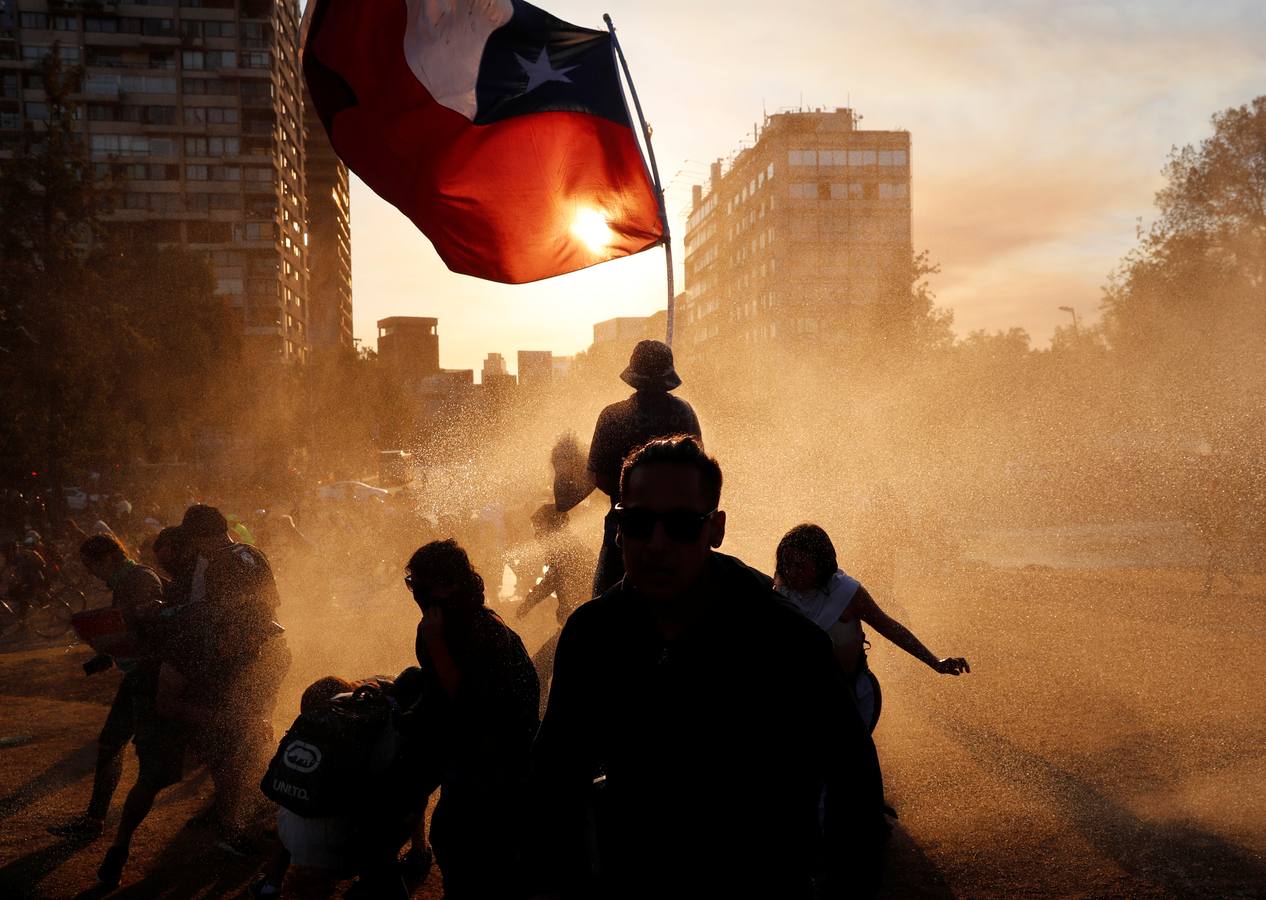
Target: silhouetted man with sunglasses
(694, 721)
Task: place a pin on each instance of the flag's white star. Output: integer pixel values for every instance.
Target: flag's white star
(542, 70)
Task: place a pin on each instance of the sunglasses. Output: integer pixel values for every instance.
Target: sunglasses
(681, 525)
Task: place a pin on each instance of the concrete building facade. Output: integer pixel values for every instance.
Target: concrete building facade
(192, 110)
(806, 233)
(329, 202)
(410, 346)
(536, 367)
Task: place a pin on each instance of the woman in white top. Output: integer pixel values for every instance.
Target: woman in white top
(807, 574)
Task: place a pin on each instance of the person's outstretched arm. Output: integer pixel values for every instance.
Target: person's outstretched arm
(870, 613)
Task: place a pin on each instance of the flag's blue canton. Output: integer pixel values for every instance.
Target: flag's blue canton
(539, 63)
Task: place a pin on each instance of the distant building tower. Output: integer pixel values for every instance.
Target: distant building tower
(494, 376)
(410, 345)
(622, 330)
(494, 364)
(329, 239)
(806, 234)
(535, 367)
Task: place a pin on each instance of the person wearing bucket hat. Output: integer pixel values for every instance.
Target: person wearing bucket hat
(650, 412)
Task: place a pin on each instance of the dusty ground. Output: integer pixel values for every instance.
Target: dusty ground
(1110, 742)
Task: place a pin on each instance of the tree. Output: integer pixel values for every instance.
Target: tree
(49, 227)
(1187, 307)
(109, 346)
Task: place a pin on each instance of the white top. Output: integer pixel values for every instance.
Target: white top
(825, 607)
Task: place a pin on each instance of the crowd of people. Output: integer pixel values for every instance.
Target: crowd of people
(692, 727)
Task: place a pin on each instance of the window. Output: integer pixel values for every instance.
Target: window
(10, 85)
(195, 146)
(207, 86)
(108, 57)
(893, 191)
(256, 90)
(193, 59)
(65, 23)
(804, 190)
(832, 157)
(256, 59)
(158, 27)
(209, 232)
(226, 173)
(861, 157)
(147, 84)
(101, 84)
(210, 115)
(195, 173)
(220, 29)
(254, 231)
(101, 25)
(162, 60)
(892, 158)
(36, 52)
(842, 191)
(802, 157)
(146, 172)
(226, 201)
(34, 20)
(10, 121)
(191, 28)
(120, 143)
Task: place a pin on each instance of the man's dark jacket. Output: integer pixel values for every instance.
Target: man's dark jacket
(710, 752)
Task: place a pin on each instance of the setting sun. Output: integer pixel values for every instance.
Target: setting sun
(591, 228)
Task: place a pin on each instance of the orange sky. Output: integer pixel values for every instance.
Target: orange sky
(1038, 133)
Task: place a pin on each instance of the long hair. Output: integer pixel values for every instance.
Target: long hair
(813, 541)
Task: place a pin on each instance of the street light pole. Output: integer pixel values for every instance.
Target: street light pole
(1076, 327)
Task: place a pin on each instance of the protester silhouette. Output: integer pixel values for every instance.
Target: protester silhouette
(477, 712)
(227, 659)
(695, 720)
(137, 591)
(807, 573)
(567, 566)
(650, 412)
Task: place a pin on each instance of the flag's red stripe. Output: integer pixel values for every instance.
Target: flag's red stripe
(497, 200)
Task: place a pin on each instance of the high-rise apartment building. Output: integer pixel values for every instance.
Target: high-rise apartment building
(805, 234)
(329, 239)
(192, 109)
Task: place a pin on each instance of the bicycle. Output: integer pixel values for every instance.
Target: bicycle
(48, 614)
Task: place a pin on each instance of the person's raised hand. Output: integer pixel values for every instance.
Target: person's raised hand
(952, 665)
(433, 625)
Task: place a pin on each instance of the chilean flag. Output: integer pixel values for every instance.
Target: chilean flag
(500, 130)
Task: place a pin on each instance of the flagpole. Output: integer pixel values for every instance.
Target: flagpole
(667, 240)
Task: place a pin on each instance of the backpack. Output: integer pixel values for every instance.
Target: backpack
(333, 759)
